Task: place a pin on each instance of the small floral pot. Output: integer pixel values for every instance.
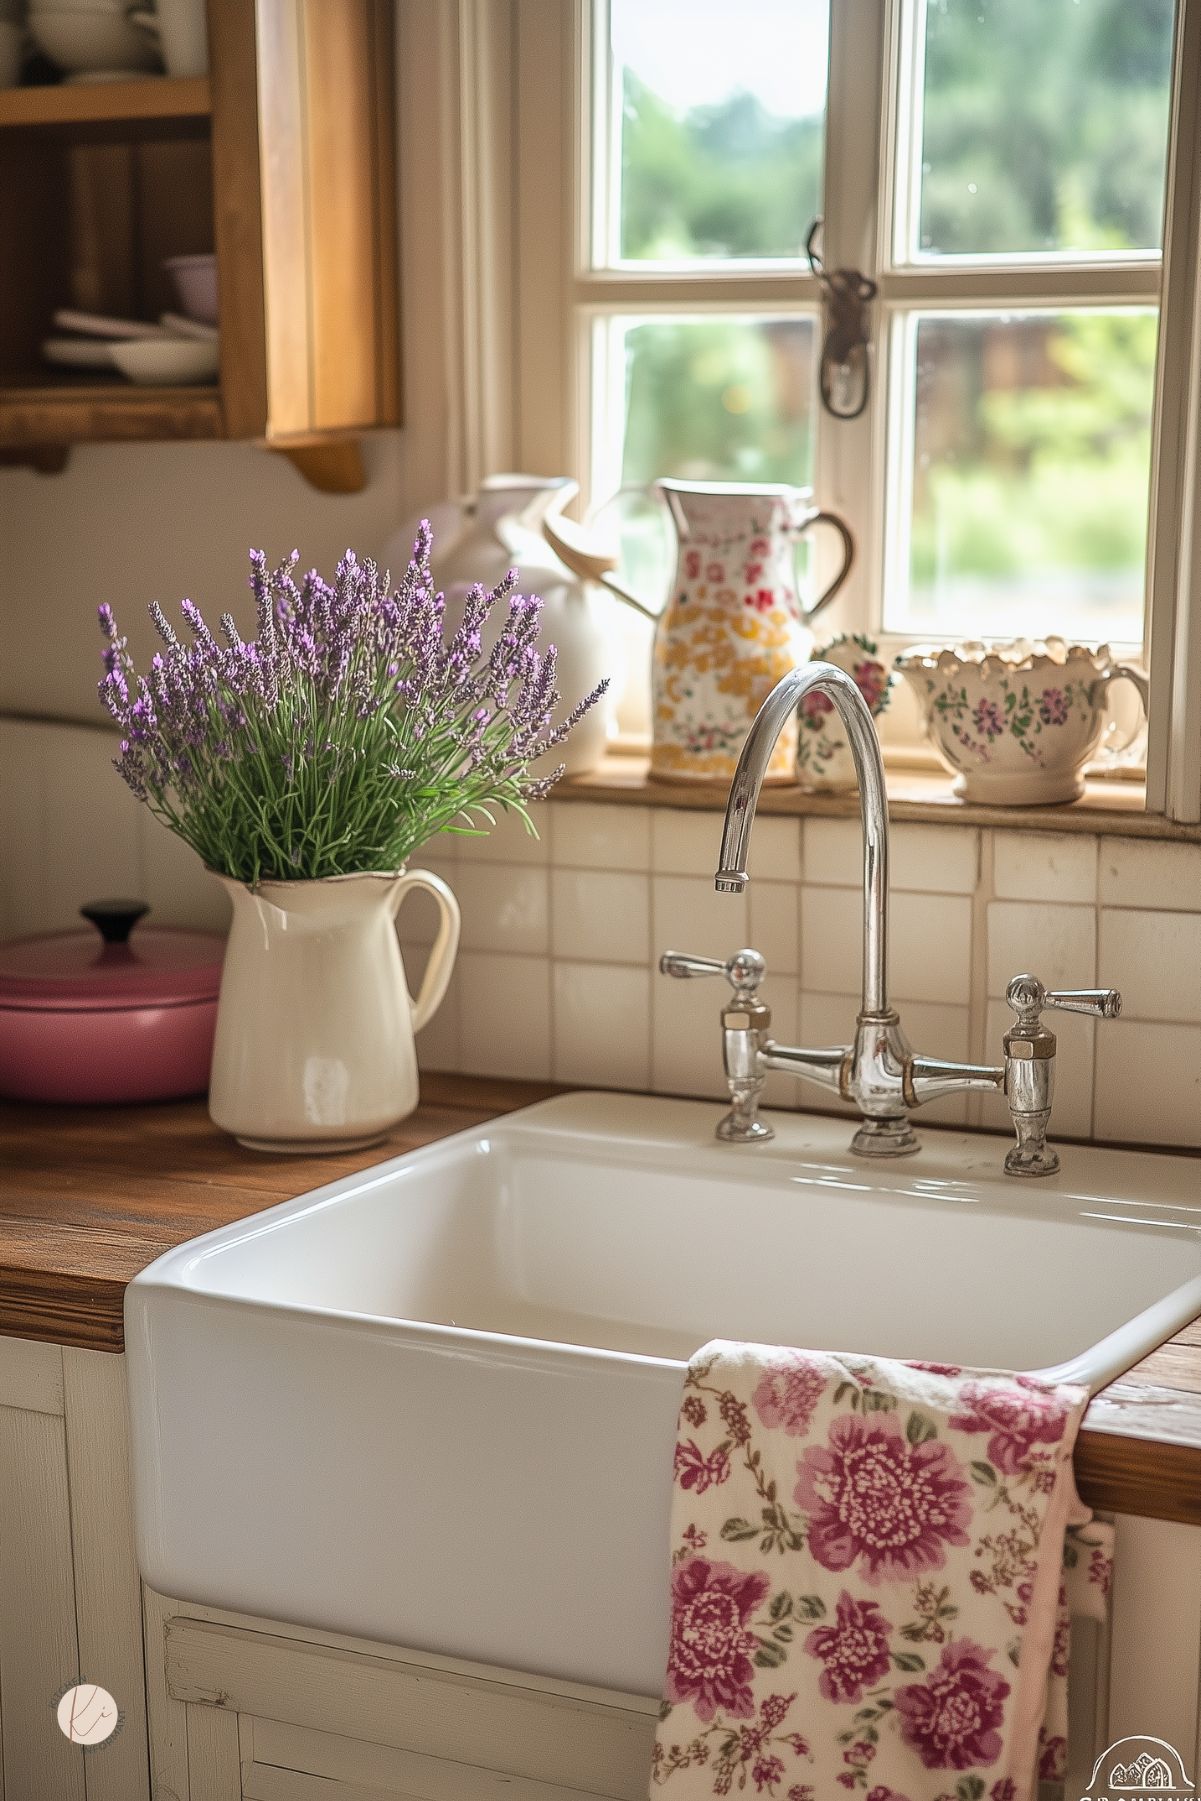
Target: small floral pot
(1016, 722)
(825, 764)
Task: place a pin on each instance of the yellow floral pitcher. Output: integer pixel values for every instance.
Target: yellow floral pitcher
(733, 623)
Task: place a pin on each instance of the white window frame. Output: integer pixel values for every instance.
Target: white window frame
(545, 52)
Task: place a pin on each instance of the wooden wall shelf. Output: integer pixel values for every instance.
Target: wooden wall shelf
(105, 102)
(280, 163)
(110, 412)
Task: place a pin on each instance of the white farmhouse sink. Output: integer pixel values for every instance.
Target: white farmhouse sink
(434, 1404)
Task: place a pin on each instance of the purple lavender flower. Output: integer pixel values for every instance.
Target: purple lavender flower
(350, 729)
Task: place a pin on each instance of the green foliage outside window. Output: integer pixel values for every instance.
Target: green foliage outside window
(1044, 131)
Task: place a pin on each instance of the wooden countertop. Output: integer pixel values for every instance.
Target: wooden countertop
(89, 1196)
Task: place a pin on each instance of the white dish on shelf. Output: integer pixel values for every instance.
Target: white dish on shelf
(92, 42)
(101, 325)
(166, 362)
(111, 8)
(93, 77)
(12, 51)
(78, 353)
(178, 325)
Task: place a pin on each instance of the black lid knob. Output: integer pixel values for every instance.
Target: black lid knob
(115, 919)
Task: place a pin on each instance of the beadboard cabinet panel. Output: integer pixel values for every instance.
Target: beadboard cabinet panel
(295, 1763)
(320, 1718)
(525, 1729)
(108, 1601)
(31, 1375)
(69, 1588)
(1156, 1633)
(39, 1646)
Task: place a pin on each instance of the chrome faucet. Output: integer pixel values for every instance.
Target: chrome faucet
(879, 1072)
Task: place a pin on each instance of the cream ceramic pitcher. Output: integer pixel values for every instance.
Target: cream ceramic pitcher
(314, 1045)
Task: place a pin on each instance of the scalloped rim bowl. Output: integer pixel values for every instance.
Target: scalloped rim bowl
(1015, 721)
(1004, 657)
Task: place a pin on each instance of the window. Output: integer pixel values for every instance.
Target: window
(1010, 210)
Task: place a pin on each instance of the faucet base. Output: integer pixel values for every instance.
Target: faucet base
(885, 1138)
(1035, 1159)
(736, 1128)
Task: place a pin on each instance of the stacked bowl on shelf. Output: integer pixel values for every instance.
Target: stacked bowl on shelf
(181, 348)
(12, 41)
(92, 40)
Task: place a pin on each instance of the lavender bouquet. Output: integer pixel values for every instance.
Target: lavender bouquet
(348, 732)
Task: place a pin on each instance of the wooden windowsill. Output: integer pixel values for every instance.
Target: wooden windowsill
(915, 795)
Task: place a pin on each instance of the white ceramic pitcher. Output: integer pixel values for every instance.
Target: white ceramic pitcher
(480, 541)
(314, 1046)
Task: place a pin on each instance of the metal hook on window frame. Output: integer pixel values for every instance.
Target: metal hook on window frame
(847, 295)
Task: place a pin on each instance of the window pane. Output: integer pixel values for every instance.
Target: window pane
(1043, 126)
(717, 399)
(719, 113)
(1031, 452)
(708, 399)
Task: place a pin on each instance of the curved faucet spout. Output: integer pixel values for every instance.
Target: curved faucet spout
(773, 715)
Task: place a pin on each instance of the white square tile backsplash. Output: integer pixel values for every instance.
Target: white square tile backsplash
(504, 1015)
(602, 1024)
(558, 972)
(505, 906)
(1155, 959)
(601, 914)
(931, 947)
(929, 859)
(1045, 866)
(600, 837)
(1057, 944)
(1133, 873)
(1148, 1087)
(775, 922)
(687, 914)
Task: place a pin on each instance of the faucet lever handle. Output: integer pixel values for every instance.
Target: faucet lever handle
(744, 971)
(1027, 997)
(1030, 1048)
(1102, 1003)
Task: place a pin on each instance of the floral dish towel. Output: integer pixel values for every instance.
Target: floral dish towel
(868, 1580)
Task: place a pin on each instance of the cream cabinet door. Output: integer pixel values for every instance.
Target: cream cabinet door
(248, 1712)
(69, 1604)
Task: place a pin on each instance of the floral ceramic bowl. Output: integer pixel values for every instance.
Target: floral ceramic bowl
(824, 760)
(1017, 722)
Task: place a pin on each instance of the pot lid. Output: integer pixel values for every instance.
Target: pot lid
(109, 966)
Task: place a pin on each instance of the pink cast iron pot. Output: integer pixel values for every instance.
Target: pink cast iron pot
(108, 1014)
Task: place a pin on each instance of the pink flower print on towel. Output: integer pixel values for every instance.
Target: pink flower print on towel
(951, 1719)
(875, 1499)
(854, 1649)
(787, 1394)
(709, 1661)
(695, 1470)
(1017, 1415)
